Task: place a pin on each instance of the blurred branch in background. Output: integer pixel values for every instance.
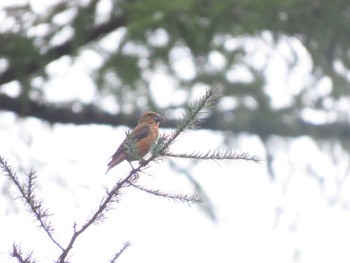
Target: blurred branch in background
(131, 42)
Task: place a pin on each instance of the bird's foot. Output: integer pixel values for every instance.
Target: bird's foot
(142, 161)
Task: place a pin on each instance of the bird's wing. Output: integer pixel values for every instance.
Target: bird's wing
(141, 131)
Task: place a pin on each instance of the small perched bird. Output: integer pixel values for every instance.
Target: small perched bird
(143, 136)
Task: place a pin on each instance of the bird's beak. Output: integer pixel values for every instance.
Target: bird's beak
(159, 118)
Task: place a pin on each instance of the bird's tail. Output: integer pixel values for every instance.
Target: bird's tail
(116, 159)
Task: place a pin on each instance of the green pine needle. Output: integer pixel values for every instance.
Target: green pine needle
(217, 156)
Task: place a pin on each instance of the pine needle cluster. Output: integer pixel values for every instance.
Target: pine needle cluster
(191, 120)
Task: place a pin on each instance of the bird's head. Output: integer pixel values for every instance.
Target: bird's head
(151, 117)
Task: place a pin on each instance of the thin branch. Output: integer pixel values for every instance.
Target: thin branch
(216, 156)
(195, 112)
(175, 197)
(105, 205)
(126, 245)
(27, 195)
(191, 120)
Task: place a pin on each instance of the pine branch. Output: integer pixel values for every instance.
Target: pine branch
(191, 120)
(18, 254)
(105, 205)
(216, 156)
(198, 110)
(28, 196)
(195, 113)
(126, 245)
(175, 197)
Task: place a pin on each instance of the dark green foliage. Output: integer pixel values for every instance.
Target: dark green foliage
(154, 35)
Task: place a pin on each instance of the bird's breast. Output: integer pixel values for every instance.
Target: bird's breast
(144, 145)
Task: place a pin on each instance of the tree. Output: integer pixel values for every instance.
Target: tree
(152, 37)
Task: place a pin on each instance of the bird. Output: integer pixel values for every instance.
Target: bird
(142, 137)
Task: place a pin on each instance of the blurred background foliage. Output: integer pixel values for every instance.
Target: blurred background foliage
(243, 47)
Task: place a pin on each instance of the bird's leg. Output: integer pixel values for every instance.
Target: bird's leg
(135, 173)
(132, 167)
(142, 161)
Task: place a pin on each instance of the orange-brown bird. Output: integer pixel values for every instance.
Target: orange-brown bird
(143, 137)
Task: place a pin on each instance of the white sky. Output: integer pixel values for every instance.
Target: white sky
(258, 220)
(290, 219)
